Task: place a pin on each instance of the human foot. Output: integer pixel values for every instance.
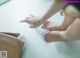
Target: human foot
(54, 36)
(53, 26)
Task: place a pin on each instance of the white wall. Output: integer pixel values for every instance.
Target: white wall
(15, 10)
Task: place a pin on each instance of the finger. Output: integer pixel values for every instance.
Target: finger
(46, 27)
(43, 27)
(46, 38)
(32, 26)
(27, 21)
(45, 23)
(62, 12)
(52, 28)
(23, 21)
(46, 35)
(32, 15)
(28, 17)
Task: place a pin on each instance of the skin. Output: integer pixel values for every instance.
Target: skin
(72, 33)
(71, 24)
(70, 13)
(56, 6)
(68, 20)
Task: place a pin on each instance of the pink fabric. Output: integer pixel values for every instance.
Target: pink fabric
(72, 1)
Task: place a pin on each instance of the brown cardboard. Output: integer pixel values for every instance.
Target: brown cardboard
(12, 45)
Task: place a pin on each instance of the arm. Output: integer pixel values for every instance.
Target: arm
(56, 6)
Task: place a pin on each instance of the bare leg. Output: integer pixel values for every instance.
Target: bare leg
(72, 33)
(68, 20)
(70, 14)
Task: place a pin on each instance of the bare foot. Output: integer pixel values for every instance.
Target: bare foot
(53, 26)
(53, 36)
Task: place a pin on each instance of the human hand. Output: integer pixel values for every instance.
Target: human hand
(33, 21)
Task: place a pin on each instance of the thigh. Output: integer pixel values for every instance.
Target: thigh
(73, 32)
(71, 10)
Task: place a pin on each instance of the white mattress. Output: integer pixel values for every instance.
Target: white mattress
(36, 47)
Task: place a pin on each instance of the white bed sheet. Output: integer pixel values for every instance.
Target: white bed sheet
(36, 47)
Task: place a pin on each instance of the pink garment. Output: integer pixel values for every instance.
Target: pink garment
(72, 1)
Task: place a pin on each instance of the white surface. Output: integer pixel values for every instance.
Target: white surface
(16, 10)
(36, 47)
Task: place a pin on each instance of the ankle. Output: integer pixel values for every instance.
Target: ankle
(63, 28)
